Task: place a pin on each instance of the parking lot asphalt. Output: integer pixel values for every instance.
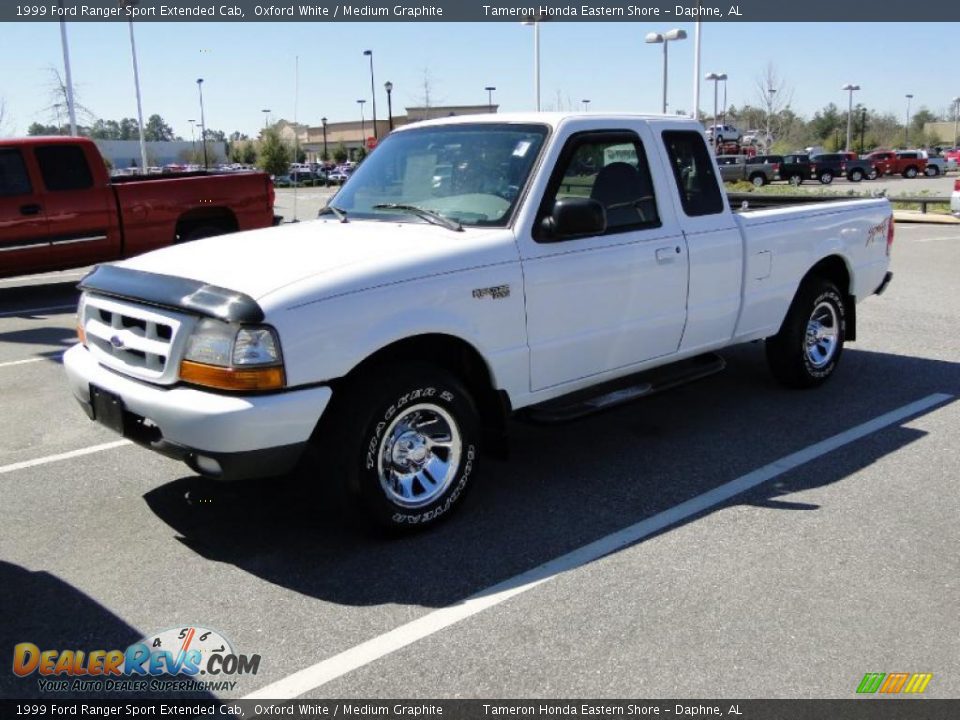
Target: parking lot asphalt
(837, 559)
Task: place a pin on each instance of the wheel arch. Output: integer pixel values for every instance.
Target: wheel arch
(457, 356)
(836, 269)
(221, 217)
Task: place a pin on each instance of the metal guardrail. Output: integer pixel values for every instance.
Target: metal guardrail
(764, 200)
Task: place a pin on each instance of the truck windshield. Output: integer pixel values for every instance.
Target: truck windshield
(472, 174)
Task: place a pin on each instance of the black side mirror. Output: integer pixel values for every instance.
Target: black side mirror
(575, 217)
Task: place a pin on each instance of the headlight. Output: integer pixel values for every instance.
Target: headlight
(233, 357)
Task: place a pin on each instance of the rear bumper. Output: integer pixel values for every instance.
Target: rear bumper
(228, 437)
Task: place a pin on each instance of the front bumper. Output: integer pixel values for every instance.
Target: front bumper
(229, 437)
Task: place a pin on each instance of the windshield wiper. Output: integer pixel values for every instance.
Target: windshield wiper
(339, 213)
(428, 215)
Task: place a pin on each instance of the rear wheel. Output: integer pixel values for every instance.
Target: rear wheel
(910, 172)
(856, 175)
(758, 180)
(808, 347)
(795, 180)
(405, 446)
(932, 171)
(873, 174)
(825, 177)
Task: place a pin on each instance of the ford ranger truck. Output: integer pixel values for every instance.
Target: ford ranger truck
(60, 209)
(562, 264)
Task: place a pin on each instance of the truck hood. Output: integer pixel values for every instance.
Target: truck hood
(323, 258)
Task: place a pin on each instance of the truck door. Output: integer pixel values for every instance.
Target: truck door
(24, 245)
(713, 241)
(612, 299)
(80, 213)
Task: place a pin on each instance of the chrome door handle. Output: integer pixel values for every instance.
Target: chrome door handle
(667, 254)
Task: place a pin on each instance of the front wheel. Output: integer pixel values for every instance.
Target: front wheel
(826, 177)
(808, 347)
(758, 180)
(873, 174)
(932, 171)
(910, 173)
(407, 446)
(856, 175)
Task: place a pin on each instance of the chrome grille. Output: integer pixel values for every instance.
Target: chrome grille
(137, 340)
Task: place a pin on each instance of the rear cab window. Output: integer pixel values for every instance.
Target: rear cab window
(63, 167)
(693, 172)
(14, 179)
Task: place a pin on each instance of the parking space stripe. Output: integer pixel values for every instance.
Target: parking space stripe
(317, 675)
(39, 311)
(62, 456)
(20, 362)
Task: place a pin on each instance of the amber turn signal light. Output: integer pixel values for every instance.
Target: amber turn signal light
(227, 378)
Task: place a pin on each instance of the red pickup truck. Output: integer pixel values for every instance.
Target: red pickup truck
(908, 163)
(59, 207)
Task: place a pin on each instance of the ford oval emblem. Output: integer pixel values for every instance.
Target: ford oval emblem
(117, 342)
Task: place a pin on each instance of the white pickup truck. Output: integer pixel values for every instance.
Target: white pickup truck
(471, 268)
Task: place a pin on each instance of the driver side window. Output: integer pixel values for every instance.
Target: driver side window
(611, 169)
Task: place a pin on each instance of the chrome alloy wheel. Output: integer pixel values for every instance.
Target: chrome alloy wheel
(419, 455)
(823, 335)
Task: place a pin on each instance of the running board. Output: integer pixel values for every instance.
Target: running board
(624, 390)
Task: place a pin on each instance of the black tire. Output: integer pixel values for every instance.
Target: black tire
(856, 175)
(825, 177)
(790, 355)
(873, 174)
(370, 421)
(795, 180)
(910, 172)
(758, 179)
(932, 171)
(201, 231)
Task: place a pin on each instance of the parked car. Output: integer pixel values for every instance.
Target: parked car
(908, 163)
(796, 168)
(828, 166)
(757, 137)
(384, 347)
(739, 167)
(59, 208)
(936, 165)
(724, 133)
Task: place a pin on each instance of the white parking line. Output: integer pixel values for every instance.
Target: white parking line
(21, 362)
(62, 456)
(39, 311)
(367, 652)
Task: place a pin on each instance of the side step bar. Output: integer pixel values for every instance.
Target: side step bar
(624, 390)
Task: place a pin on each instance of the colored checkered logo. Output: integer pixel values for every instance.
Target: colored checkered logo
(893, 683)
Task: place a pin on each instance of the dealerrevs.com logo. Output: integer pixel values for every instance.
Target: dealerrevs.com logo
(185, 659)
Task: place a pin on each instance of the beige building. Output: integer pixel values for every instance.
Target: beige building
(943, 131)
(351, 134)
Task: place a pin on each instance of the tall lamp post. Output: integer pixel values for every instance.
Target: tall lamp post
(850, 88)
(906, 125)
(363, 128)
(536, 56)
(203, 125)
(770, 93)
(586, 105)
(373, 94)
(266, 117)
(388, 86)
(69, 79)
(326, 157)
(665, 39)
(490, 89)
(723, 107)
(193, 139)
(956, 121)
(136, 84)
(716, 77)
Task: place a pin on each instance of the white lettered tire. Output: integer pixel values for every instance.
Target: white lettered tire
(806, 351)
(408, 445)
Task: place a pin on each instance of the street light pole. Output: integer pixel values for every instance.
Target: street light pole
(863, 127)
(696, 72)
(326, 157)
(373, 95)
(906, 125)
(716, 77)
(490, 89)
(388, 86)
(193, 140)
(69, 79)
(850, 88)
(956, 121)
(363, 130)
(536, 56)
(586, 105)
(136, 84)
(203, 125)
(266, 117)
(665, 38)
(723, 108)
(771, 92)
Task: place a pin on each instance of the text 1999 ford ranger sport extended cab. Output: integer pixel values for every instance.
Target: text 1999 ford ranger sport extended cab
(470, 268)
